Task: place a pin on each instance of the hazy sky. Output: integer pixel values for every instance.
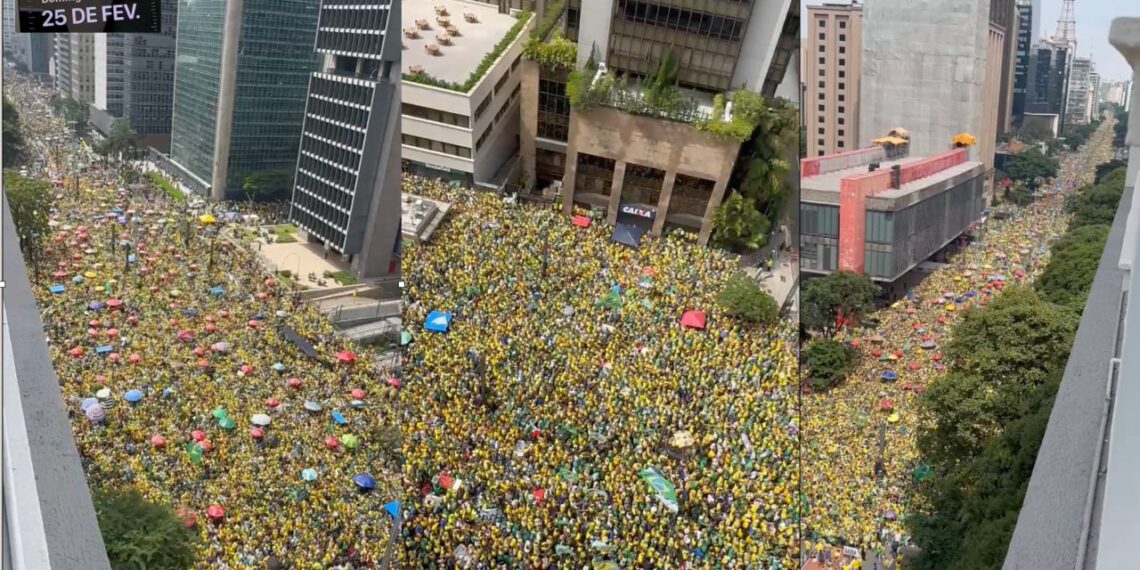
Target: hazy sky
(1093, 20)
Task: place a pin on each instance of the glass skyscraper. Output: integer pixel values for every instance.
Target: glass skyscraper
(241, 76)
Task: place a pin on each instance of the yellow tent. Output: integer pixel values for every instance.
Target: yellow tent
(207, 218)
(965, 139)
(891, 140)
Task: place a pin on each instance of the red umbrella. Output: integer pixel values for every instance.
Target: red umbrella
(256, 432)
(293, 383)
(246, 369)
(345, 356)
(76, 352)
(187, 516)
(197, 435)
(272, 402)
(580, 221)
(357, 394)
(393, 382)
(203, 363)
(211, 327)
(539, 494)
(215, 512)
(936, 356)
(135, 358)
(693, 319)
(185, 335)
(157, 440)
(332, 442)
(252, 323)
(205, 445)
(114, 303)
(886, 404)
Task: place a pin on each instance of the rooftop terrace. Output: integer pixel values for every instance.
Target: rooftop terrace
(455, 61)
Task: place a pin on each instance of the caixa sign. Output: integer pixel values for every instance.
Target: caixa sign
(639, 212)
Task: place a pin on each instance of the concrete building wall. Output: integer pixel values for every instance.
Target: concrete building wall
(764, 26)
(924, 70)
(673, 148)
(832, 54)
(992, 98)
(594, 29)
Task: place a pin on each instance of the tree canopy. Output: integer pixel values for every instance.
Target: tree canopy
(828, 361)
(737, 225)
(119, 139)
(13, 137)
(843, 294)
(1031, 166)
(29, 201)
(1068, 277)
(141, 534)
(743, 297)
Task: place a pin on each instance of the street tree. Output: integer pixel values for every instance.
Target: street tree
(830, 302)
(744, 298)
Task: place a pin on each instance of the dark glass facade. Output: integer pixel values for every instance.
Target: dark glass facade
(148, 60)
(1022, 58)
(705, 35)
(344, 195)
(273, 64)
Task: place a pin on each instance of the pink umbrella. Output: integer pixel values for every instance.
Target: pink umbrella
(215, 512)
(94, 323)
(197, 435)
(252, 323)
(332, 442)
(157, 440)
(185, 335)
(256, 432)
(345, 356)
(135, 358)
(113, 357)
(294, 383)
(114, 303)
(246, 369)
(272, 402)
(357, 394)
(112, 332)
(132, 320)
(393, 382)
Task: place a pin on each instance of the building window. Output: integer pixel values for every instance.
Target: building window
(821, 130)
(821, 108)
(842, 85)
(821, 96)
(842, 49)
(822, 72)
(842, 61)
(842, 37)
(842, 74)
(821, 61)
(821, 84)
(820, 141)
(823, 23)
(840, 132)
(821, 119)
(820, 153)
(839, 144)
(840, 120)
(437, 146)
(434, 115)
(842, 109)
(822, 36)
(842, 97)
(843, 24)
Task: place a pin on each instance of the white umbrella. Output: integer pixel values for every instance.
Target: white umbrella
(260, 419)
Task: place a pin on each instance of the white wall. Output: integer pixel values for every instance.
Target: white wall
(760, 41)
(594, 29)
(101, 71)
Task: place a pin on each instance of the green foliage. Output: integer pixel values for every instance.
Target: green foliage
(71, 110)
(29, 201)
(1077, 135)
(141, 534)
(738, 225)
(762, 169)
(555, 53)
(843, 293)
(1105, 168)
(1068, 277)
(481, 69)
(1098, 205)
(344, 278)
(166, 186)
(749, 110)
(744, 298)
(1031, 168)
(828, 361)
(268, 185)
(553, 14)
(13, 138)
(118, 140)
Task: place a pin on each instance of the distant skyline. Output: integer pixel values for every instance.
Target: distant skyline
(1094, 17)
(1093, 20)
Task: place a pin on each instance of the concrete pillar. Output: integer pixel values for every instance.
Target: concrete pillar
(1124, 35)
(615, 192)
(571, 172)
(663, 202)
(223, 127)
(717, 197)
(528, 127)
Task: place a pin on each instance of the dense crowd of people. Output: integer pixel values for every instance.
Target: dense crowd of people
(564, 417)
(564, 374)
(860, 458)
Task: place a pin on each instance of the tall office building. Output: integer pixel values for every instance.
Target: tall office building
(347, 185)
(9, 21)
(1003, 14)
(1023, 57)
(134, 80)
(1094, 93)
(1077, 108)
(645, 172)
(916, 77)
(1047, 92)
(240, 81)
(75, 66)
(995, 86)
(832, 67)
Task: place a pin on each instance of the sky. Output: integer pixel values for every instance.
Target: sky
(1093, 20)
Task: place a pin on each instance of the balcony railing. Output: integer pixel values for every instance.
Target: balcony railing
(49, 519)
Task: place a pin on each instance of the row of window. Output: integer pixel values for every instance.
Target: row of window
(353, 19)
(337, 178)
(342, 91)
(338, 112)
(437, 146)
(307, 181)
(342, 156)
(498, 115)
(435, 115)
(689, 21)
(351, 138)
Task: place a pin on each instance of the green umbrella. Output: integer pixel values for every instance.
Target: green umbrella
(350, 441)
(219, 412)
(405, 338)
(225, 422)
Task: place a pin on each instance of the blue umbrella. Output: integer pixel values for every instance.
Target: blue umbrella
(338, 417)
(56, 288)
(309, 474)
(971, 293)
(95, 305)
(217, 290)
(393, 507)
(133, 396)
(365, 481)
(131, 258)
(77, 279)
(103, 349)
(889, 375)
(88, 402)
(278, 366)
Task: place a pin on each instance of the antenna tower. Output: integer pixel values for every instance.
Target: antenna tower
(1067, 24)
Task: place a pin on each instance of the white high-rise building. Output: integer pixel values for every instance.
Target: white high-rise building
(1078, 109)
